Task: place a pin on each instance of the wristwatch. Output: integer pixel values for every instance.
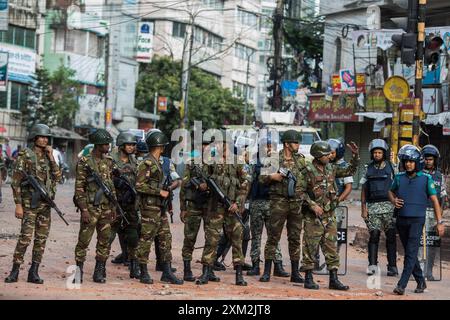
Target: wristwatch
(440, 222)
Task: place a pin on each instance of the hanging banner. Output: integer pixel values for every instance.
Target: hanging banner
(341, 109)
(3, 70)
(145, 42)
(374, 38)
(162, 104)
(345, 82)
(4, 15)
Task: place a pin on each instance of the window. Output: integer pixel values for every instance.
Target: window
(19, 36)
(178, 29)
(248, 18)
(243, 52)
(266, 19)
(239, 90)
(93, 90)
(207, 38)
(76, 41)
(18, 95)
(217, 4)
(96, 44)
(3, 99)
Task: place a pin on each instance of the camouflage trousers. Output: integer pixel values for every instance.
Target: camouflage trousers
(289, 211)
(128, 232)
(215, 221)
(323, 234)
(192, 223)
(259, 217)
(154, 224)
(100, 221)
(35, 221)
(380, 216)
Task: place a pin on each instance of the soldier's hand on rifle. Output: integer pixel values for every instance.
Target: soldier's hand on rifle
(398, 203)
(183, 215)
(318, 211)
(276, 177)
(164, 193)
(203, 186)
(234, 207)
(353, 148)
(19, 211)
(49, 153)
(85, 216)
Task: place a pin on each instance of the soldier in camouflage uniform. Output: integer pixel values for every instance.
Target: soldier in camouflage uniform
(318, 183)
(285, 205)
(376, 209)
(234, 182)
(149, 182)
(195, 199)
(124, 181)
(260, 216)
(97, 212)
(39, 162)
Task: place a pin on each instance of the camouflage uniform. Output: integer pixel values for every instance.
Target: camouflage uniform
(284, 209)
(101, 215)
(320, 191)
(128, 204)
(35, 220)
(196, 212)
(234, 182)
(149, 181)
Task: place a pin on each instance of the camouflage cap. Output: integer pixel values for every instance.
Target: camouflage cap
(100, 136)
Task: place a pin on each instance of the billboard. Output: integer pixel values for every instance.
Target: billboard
(145, 42)
(3, 70)
(4, 15)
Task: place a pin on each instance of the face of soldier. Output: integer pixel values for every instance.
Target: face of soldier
(377, 155)
(102, 148)
(324, 159)
(429, 163)
(332, 155)
(410, 166)
(41, 141)
(293, 146)
(129, 148)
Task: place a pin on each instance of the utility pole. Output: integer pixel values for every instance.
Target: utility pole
(418, 95)
(246, 87)
(186, 74)
(278, 46)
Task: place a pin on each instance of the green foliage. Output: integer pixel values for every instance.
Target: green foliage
(52, 99)
(208, 101)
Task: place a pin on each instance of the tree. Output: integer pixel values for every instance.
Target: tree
(52, 99)
(306, 38)
(209, 102)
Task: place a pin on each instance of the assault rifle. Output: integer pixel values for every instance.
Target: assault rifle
(104, 189)
(292, 180)
(40, 193)
(167, 202)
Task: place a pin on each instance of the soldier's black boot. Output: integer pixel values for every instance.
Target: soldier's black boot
(79, 273)
(239, 278)
(335, 283)
(119, 259)
(134, 269)
(14, 274)
(255, 271)
(391, 250)
(187, 272)
(99, 272)
(33, 275)
(203, 279)
(219, 266)
(168, 276)
(144, 276)
(295, 275)
(267, 269)
(374, 240)
(309, 281)
(212, 276)
(278, 270)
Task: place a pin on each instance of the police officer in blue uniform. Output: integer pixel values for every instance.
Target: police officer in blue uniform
(431, 156)
(410, 193)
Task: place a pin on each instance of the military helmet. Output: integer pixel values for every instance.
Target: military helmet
(141, 147)
(124, 138)
(338, 146)
(100, 136)
(430, 150)
(378, 144)
(155, 139)
(411, 153)
(291, 136)
(39, 130)
(320, 149)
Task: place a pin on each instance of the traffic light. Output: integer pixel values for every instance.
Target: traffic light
(433, 51)
(407, 43)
